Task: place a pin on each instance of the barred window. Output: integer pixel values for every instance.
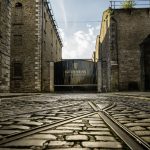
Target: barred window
(17, 40)
(17, 70)
(18, 18)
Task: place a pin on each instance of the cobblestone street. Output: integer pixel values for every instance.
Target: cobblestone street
(75, 121)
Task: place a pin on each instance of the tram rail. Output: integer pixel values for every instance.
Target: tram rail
(132, 141)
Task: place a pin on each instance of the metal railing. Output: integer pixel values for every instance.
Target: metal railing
(115, 4)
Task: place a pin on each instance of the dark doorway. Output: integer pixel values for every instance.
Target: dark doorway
(145, 46)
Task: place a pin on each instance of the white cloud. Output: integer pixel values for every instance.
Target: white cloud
(98, 27)
(80, 44)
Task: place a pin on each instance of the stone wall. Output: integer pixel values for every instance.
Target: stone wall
(25, 46)
(104, 52)
(122, 32)
(97, 47)
(5, 18)
(31, 46)
(52, 47)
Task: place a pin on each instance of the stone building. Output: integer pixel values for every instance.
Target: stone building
(34, 43)
(5, 21)
(125, 50)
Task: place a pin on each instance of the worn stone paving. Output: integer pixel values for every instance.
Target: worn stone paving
(135, 120)
(19, 123)
(88, 133)
(134, 114)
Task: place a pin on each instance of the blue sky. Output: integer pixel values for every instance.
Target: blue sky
(79, 24)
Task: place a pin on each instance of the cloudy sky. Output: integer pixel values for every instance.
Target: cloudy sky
(79, 24)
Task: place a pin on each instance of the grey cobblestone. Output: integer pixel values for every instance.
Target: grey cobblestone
(7, 132)
(146, 138)
(77, 138)
(60, 143)
(144, 120)
(25, 143)
(43, 136)
(89, 133)
(97, 125)
(137, 124)
(110, 145)
(30, 123)
(137, 128)
(69, 128)
(105, 138)
(6, 123)
(98, 129)
(16, 127)
(143, 133)
(75, 125)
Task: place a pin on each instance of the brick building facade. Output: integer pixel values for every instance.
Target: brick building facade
(124, 49)
(34, 43)
(5, 27)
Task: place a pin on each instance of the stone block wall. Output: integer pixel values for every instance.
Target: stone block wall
(122, 32)
(5, 27)
(104, 52)
(52, 47)
(133, 26)
(26, 46)
(32, 46)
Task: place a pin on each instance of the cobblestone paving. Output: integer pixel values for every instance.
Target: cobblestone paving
(135, 120)
(133, 113)
(19, 123)
(88, 133)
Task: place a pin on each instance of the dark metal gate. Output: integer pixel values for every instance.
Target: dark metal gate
(75, 75)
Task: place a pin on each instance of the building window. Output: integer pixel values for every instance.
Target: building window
(17, 70)
(18, 14)
(17, 40)
(44, 22)
(8, 1)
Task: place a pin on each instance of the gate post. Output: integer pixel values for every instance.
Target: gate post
(51, 76)
(99, 77)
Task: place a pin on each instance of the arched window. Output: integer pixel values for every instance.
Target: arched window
(18, 13)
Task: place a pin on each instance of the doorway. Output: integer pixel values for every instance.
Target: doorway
(145, 63)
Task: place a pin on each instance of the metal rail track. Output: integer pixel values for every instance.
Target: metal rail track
(40, 129)
(132, 141)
